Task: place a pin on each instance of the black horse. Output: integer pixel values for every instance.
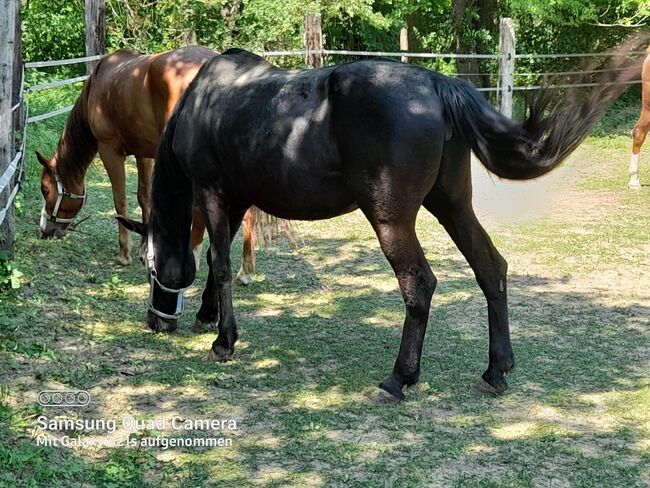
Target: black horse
(380, 136)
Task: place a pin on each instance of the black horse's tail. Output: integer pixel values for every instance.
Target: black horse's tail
(528, 149)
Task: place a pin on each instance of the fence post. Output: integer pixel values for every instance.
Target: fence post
(95, 31)
(7, 54)
(404, 43)
(506, 67)
(313, 40)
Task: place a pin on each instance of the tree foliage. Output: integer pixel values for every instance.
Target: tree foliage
(54, 29)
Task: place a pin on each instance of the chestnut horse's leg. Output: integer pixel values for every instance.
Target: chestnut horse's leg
(248, 255)
(196, 235)
(638, 138)
(145, 169)
(641, 128)
(114, 164)
(450, 201)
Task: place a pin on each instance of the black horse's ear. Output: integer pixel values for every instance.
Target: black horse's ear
(47, 164)
(133, 225)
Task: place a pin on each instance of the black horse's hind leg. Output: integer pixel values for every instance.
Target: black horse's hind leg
(218, 216)
(417, 284)
(459, 220)
(208, 314)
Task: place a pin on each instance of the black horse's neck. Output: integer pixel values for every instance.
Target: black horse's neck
(77, 146)
(171, 216)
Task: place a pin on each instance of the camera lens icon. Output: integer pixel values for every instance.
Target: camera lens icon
(63, 398)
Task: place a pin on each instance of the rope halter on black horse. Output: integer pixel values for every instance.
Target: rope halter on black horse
(60, 194)
(153, 278)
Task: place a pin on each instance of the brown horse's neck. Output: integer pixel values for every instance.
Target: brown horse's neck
(78, 145)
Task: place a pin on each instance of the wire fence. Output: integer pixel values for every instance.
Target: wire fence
(18, 162)
(361, 54)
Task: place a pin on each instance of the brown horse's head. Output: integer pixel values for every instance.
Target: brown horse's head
(61, 203)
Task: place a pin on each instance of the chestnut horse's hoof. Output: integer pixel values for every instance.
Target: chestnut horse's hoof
(243, 279)
(122, 261)
(634, 185)
(200, 326)
(220, 354)
(394, 387)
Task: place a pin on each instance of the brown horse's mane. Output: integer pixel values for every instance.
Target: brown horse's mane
(78, 145)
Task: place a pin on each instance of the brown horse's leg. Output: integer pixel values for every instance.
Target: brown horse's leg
(248, 256)
(417, 284)
(196, 235)
(638, 138)
(145, 169)
(114, 164)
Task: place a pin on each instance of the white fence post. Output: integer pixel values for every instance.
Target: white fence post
(404, 43)
(506, 67)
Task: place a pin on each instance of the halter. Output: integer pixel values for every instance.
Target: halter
(60, 193)
(153, 278)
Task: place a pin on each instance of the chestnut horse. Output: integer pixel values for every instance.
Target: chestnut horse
(122, 110)
(384, 137)
(643, 124)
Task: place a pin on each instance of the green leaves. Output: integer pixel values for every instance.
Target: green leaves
(9, 275)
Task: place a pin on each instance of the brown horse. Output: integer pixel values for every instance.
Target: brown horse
(643, 124)
(122, 111)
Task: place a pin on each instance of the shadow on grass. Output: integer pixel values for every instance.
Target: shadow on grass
(303, 377)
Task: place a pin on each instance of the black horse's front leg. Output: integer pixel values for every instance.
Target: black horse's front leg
(222, 223)
(208, 314)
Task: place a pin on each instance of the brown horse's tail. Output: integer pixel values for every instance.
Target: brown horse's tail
(528, 149)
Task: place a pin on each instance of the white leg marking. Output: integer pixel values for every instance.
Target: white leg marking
(634, 183)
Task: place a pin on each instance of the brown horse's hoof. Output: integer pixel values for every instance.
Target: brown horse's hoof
(484, 388)
(200, 327)
(220, 354)
(243, 279)
(122, 261)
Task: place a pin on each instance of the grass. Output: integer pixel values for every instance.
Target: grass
(321, 326)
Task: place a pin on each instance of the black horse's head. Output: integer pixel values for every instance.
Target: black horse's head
(170, 268)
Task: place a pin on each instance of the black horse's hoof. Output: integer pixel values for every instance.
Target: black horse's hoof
(392, 386)
(485, 388)
(157, 324)
(200, 326)
(220, 354)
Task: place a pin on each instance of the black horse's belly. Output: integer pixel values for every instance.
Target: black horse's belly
(272, 146)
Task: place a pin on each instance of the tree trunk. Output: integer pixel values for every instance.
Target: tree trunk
(7, 60)
(471, 16)
(95, 31)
